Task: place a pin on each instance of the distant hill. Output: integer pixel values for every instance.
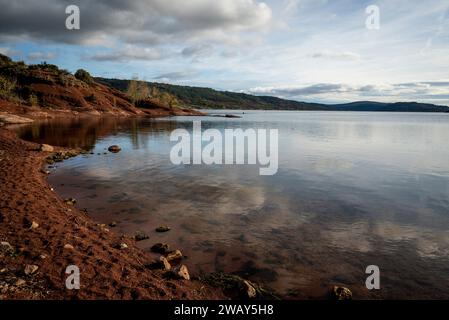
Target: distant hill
(206, 98)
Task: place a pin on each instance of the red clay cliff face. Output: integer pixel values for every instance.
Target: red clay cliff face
(41, 235)
(45, 91)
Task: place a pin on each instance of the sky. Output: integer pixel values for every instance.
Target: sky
(305, 50)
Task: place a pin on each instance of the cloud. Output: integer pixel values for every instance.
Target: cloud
(129, 53)
(432, 90)
(9, 52)
(174, 76)
(335, 55)
(197, 51)
(143, 22)
(319, 88)
(43, 56)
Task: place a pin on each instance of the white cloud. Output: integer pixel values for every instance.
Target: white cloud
(129, 53)
(43, 56)
(332, 55)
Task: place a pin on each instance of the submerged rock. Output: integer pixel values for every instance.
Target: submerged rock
(239, 288)
(114, 149)
(161, 248)
(140, 236)
(163, 229)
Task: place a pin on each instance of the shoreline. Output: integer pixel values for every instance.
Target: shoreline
(38, 229)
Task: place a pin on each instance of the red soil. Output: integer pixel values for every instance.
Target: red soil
(107, 272)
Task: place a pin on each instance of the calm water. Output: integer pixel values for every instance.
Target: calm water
(352, 190)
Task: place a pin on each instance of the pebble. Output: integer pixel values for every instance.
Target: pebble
(30, 269)
(250, 290)
(46, 148)
(166, 264)
(6, 246)
(123, 246)
(175, 255)
(161, 248)
(163, 229)
(182, 272)
(114, 149)
(68, 247)
(20, 282)
(34, 225)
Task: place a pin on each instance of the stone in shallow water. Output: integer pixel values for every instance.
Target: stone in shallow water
(161, 248)
(114, 149)
(140, 236)
(175, 255)
(163, 229)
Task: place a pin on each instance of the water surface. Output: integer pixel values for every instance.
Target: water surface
(352, 190)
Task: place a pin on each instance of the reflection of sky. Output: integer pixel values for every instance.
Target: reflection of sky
(363, 186)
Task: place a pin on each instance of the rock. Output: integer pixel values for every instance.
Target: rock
(68, 247)
(163, 229)
(20, 282)
(30, 269)
(114, 149)
(175, 255)
(34, 225)
(341, 293)
(164, 262)
(46, 148)
(123, 246)
(6, 247)
(182, 272)
(161, 263)
(140, 236)
(70, 201)
(250, 290)
(161, 248)
(13, 119)
(43, 256)
(113, 224)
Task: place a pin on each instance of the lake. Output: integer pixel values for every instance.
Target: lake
(353, 189)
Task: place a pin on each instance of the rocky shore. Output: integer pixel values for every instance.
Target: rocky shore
(41, 235)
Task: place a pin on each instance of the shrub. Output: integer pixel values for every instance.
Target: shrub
(4, 60)
(84, 76)
(32, 100)
(7, 88)
(45, 66)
